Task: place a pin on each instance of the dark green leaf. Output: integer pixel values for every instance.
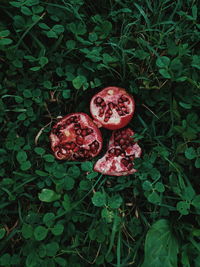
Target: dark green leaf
(21, 156)
(87, 166)
(161, 246)
(183, 207)
(92, 175)
(79, 81)
(57, 229)
(48, 195)
(99, 199)
(27, 231)
(190, 153)
(154, 198)
(163, 62)
(40, 233)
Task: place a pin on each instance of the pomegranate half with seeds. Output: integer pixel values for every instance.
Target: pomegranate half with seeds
(122, 150)
(112, 108)
(75, 137)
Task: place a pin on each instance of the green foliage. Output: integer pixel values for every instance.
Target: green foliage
(54, 56)
(165, 249)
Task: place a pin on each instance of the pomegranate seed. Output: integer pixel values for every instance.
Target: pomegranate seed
(121, 105)
(124, 136)
(78, 132)
(122, 141)
(84, 132)
(68, 146)
(118, 137)
(112, 151)
(75, 119)
(131, 157)
(111, 105)
(96, 143)
(124, 147)
(106, 119)
(117, 152)
(127, 142)
(98, 100)
(120, 100)
(125, 99)
(68, 121)
(63, 151)
(76, 149)
(73, 145)
(79, 140)
(109, 112)
(93, 148)
(103, 104)
(101, 112)
(125, 162)
(72, 119)
(89, 131)
(120, 112)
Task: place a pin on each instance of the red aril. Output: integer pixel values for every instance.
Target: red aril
(75, 137)
(122, 150)
(112, 108)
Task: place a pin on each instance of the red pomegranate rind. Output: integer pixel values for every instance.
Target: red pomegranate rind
(112, 108)
(75, 137)
(122, 150)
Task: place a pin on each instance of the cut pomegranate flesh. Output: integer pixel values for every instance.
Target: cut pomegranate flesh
(122, 150)
(75, 137)
(112, 108)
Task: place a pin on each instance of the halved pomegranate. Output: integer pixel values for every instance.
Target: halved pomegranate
(75, 137)
(122, 150)
(112, 108)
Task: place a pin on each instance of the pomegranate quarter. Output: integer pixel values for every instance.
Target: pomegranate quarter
(75, 137)
(112, 108)
(122, 150)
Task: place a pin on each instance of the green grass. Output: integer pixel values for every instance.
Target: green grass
(54, 56)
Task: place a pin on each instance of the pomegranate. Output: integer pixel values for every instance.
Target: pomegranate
(75, 137)
(122, 150)
(112, 108)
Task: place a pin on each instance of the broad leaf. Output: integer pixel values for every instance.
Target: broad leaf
(161, 247)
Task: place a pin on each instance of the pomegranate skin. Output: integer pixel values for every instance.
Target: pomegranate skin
(112, 108)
